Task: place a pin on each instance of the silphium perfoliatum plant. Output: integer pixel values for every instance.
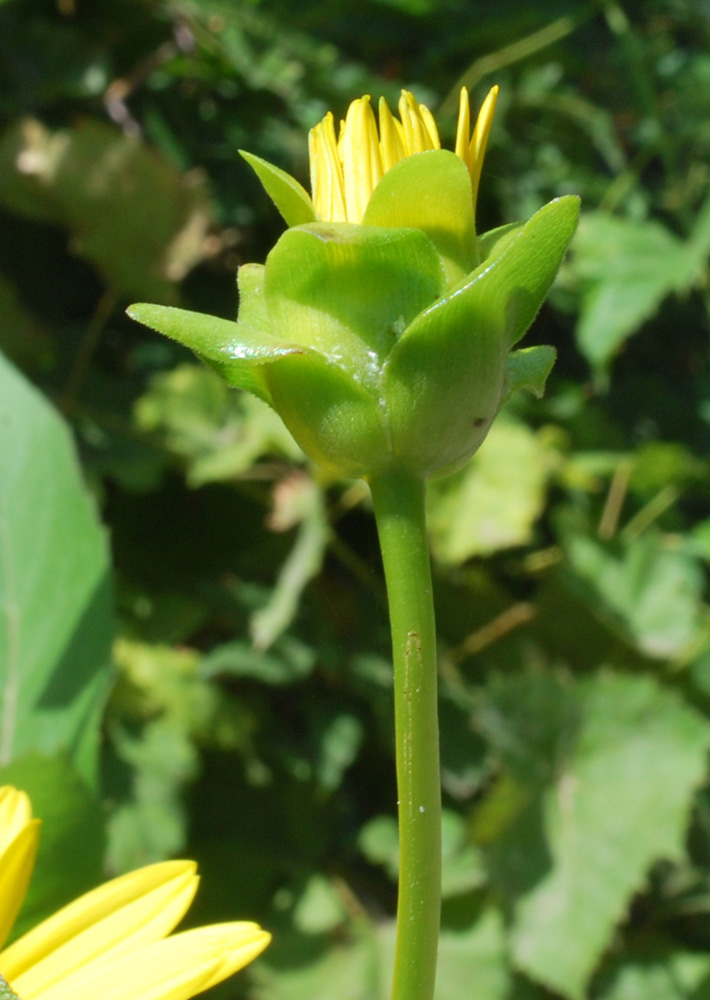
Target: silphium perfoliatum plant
(381, 327)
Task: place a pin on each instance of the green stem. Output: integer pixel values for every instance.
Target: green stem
(399, 510)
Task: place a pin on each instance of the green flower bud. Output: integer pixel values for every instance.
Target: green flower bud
(380, 327)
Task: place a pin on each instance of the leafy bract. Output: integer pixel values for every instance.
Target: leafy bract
(234, 349)
(430, 191)
(333, 418)
(528, 369)
(349, 291)
(445, 378)
(513, 281)
(291, 199)
(443, 383)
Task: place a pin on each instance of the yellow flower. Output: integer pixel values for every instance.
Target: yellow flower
(345, 170)
(112, 943)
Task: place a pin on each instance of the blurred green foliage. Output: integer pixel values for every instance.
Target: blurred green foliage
(249, 722)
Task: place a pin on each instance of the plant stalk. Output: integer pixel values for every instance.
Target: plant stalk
(398, 499)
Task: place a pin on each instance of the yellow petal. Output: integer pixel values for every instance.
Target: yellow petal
(391, 146)
(360, 156)
(479, 140)
(326, 172)
(430, 125)
(108, 922)
(15, 812)
(16, 864)
(173, 969)
(463, 129)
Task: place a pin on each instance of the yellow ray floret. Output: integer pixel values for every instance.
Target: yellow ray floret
(112, 942)
(346, 169)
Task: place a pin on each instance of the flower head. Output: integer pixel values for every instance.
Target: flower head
(112, 943)
(346, 170)
(381, 327)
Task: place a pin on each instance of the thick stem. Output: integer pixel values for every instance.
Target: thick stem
(399, 510)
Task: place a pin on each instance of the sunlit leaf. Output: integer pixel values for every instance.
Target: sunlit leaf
(55, 601)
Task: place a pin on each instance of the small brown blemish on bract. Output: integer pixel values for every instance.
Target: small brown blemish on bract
(480, 421)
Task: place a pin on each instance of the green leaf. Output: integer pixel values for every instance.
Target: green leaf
(319, 909)
(626, 268)
(476, 956)
(287, 662)
(661, 971)
(494, 501)
(430, 191)
(648, 593)
(570, 864)
(291, 199)
(71, 836)
(129, 212)
(349, 291)
(529, 369)
(218, 433)
(55, 603)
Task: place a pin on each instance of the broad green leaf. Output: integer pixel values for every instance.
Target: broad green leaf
(55, 602)
(287, 662)
(625, 270)
(217, 433)
(71, 845)
(648, 592)
(359, 966)
(349, 291)
(430, 191)
(300, 969)
(616, 799)
(473, 961)
(494, 502)
(320, 909)
(291, 199)
(659, 972)
(234, 349)
(141, 223)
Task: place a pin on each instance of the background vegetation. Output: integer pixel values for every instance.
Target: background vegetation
(194, 651)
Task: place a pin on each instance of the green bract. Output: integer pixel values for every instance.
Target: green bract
(387, 344)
